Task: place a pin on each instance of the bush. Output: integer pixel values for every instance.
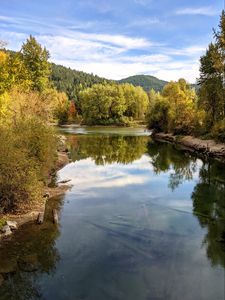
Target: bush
(19, 183)
(27, 157)
(158, 118)
(218, 131)
(40, 143)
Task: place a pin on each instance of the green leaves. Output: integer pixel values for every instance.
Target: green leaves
(113, 104)
(212, 79)
(36, 61)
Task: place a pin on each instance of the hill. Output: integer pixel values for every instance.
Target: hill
(146, 81)
(72, 81)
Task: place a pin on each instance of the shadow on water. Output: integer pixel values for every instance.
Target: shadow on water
(208, 195)
(31, 251)
(130, 242)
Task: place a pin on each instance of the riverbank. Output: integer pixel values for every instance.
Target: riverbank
(49, 192)
(208, 148)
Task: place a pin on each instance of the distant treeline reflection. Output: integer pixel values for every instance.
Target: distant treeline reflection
(108, 149)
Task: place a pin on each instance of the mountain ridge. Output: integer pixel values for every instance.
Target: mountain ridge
(147, 82)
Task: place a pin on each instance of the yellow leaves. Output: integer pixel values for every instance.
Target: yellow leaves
(181, 113)
(4, 108)
(3, 57)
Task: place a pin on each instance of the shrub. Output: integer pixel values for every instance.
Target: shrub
(27, 156)
(19, 183)
(218, 131)
(158, 118)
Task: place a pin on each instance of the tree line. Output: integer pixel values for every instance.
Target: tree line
(178, 109)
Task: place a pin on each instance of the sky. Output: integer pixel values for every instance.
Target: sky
(116, 38)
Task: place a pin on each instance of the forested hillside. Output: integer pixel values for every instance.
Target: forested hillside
(71, 81)
(147, 82)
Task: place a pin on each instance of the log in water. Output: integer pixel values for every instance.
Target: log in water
(55, 216)
(40, 218)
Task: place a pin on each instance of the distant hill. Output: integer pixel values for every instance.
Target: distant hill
(146, 81)
(72, 81)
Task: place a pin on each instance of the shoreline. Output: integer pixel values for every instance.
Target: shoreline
(51, 192)
(209, 148)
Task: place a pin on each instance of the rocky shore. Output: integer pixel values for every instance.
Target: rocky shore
(14, 221)
(208, 148)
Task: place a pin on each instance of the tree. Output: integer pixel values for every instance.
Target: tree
(220, 60)
(212, 81)
(158, 116)
(61, 107)
(72, 112)
(182, 101)
(113, 104)
(210, 92)
(137, 101)
(36, 61)
(173, 110)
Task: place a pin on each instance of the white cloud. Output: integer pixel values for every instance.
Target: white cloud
(204, 11)
(144, 22)
(109, 176)
(107, 55)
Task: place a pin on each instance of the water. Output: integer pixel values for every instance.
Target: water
(143, 221)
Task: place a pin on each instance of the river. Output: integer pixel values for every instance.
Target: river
(143, 221)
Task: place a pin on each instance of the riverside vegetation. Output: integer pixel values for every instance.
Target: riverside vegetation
(29, 102)
(28, 145)
(179, 110)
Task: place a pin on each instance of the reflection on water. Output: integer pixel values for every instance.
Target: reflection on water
(143, 221)
(108, 149)
(31, 251)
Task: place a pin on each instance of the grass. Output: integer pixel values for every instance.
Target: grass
(2, 223)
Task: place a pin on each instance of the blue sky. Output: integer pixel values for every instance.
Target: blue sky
(113, 38)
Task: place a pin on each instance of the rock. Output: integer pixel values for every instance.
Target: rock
(46, 195)
(1, 280)
(6, 230)
(12, 224)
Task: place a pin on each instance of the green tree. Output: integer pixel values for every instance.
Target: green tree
(136, 100)
(113, 104)
(212, 83)
(210, 92)
(36, 61)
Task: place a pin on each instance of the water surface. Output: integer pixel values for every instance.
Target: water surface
(143, 220)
